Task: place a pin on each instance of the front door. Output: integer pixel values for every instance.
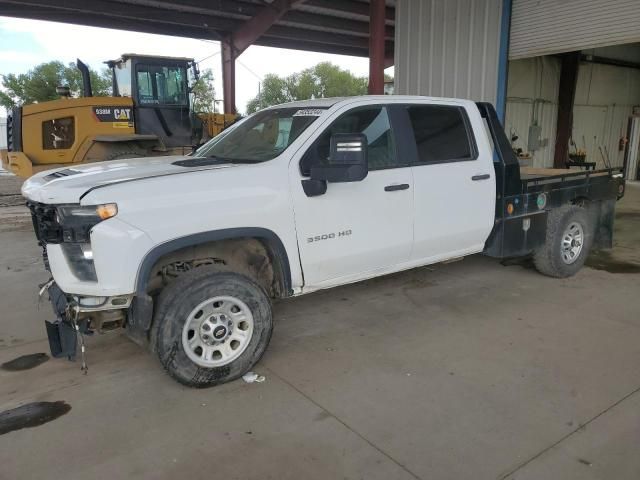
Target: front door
(359, 228)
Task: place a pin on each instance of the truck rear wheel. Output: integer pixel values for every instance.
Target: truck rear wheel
(211, 327)
(567, 245)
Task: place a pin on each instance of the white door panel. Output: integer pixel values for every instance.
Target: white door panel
(354, 227)
(453, 213)
(454, 195)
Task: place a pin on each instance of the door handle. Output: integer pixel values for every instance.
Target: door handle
(399, 186)
(484, 176)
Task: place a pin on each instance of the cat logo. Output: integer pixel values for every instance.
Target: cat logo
(122, 113)
(116, 115)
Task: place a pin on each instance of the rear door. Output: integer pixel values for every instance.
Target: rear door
(454, 182)
(355, 229)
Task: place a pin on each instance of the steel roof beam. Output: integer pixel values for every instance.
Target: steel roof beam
(209, 25)
(77, 12)
(240, 39)
(346, 6)
(245, 10)
(74, 11)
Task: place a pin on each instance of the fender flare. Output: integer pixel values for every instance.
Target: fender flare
(269, 237)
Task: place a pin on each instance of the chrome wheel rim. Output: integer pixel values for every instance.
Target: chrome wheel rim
(572, 243)
(217, 331)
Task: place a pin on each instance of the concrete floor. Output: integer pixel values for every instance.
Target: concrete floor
(466, 370)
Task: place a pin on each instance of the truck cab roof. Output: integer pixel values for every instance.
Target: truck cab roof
(331, 101)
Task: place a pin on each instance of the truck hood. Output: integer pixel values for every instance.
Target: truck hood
(69, 184)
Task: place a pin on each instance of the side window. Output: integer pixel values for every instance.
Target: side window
(123, 79)
(145, 87)
(58, 134)
(441, 133)
(373, 122)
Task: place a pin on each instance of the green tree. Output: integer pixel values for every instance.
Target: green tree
(204, 93)
(39, 84)
(323, 80)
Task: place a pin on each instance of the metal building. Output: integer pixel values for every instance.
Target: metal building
(565, 74)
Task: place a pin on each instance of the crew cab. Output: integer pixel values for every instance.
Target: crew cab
(187, 253)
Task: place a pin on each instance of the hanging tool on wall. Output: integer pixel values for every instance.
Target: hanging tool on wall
(605, 160)
(606, 152)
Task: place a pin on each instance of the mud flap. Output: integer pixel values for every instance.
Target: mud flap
(61, 334)
(62, 339)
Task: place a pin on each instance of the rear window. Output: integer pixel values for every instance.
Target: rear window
(441, 133)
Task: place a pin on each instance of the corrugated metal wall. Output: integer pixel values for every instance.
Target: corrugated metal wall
(448, 48)
(545, 27)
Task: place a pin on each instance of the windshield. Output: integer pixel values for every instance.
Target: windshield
(262, 136)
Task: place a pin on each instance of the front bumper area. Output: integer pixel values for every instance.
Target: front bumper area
(87, 304)
(81, 315)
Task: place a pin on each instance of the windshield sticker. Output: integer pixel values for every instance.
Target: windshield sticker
(309, 112)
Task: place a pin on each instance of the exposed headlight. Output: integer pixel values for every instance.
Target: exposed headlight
(76, 214)
(75, 222)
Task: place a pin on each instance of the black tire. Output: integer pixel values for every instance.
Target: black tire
(181, 297)
(548, 258)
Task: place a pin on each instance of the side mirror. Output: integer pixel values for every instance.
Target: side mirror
(348, 160)
(195, 70)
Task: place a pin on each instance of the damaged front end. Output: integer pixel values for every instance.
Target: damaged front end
(81, 315)
(70, 226)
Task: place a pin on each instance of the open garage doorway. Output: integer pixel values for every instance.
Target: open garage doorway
(606, 98)
(632, 150)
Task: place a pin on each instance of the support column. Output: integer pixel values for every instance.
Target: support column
(566, 96)
(236, 43)
(228, 76)
(376, 47)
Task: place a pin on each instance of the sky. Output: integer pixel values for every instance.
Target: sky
(26, 43)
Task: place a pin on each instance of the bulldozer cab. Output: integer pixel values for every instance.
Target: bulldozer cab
(159, 89)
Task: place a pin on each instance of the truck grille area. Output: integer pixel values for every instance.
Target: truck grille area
(45, 223)
(48, 230)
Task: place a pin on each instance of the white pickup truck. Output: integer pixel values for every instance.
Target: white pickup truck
(186, 253)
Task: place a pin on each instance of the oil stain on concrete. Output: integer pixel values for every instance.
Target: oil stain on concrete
(31, 415)
(604, 260)
(25, 362)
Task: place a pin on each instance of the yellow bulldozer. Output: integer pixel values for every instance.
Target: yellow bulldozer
(148, 114)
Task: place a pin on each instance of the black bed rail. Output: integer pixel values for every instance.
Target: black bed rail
(572, 175)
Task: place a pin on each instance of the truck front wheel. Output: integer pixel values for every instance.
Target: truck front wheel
(211, 327)
(568, 241)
